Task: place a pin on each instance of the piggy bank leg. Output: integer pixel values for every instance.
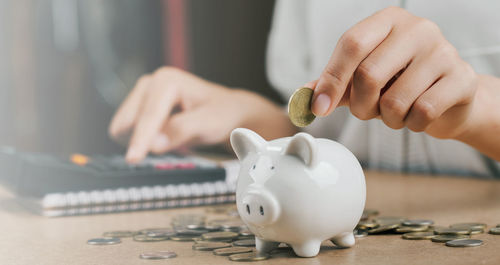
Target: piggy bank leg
(307, 249)
(344, 240)
(264, 246)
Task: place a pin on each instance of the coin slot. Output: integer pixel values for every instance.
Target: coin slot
(248, 209)
(261, 210)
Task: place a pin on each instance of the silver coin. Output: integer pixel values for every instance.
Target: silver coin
(163, 231)
(360, 233)
(190, 232)
(213, 227)
(235, 224)
(158, 255)
(231, 251)
(145, 238)
(196, 226)
(495, 230)
(104, 241)
(417, 222)
(464, 243)
(160, 234)
(250, 256)
(159, 230)
(246, 232)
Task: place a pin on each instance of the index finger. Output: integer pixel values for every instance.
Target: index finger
(351, 49)
(155, 110)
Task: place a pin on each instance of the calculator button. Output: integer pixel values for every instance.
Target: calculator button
(79, 159)
(164, 166)
(186, 165)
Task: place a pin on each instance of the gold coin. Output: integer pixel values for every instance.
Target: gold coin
(452, 231)
(472, 226)
(299, 107)
(383, 228)
(476, 231)
(251, 256)
(476, 228)
(231, 251)
(200, 240)
(418, 235)
(245, 243)
(418, 222)
(385, 220)
(205, 246)
(409, 229)
(495, 230)
(446, 238)
(367, 225)
(183, 238)
(219, 235)
(436, 227)
(145, 238)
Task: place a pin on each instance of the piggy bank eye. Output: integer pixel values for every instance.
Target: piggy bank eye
(253, 167)
(272, 167)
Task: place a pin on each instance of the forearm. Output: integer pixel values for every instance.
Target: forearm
(483, 129)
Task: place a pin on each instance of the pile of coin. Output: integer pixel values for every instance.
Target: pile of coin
(227, 236)
(230, 237)
(456, 235)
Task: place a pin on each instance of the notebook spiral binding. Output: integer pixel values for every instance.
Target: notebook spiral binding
(137, 198)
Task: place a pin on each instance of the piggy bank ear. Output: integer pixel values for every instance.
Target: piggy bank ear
(245, 141)
(303, 146)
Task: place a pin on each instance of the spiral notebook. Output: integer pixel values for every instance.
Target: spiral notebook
(81, 185)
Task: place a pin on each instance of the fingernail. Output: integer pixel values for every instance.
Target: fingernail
(321, 104)
(160, 142)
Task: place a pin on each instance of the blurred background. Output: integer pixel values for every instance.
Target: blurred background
(65, 65)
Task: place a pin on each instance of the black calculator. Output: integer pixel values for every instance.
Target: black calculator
(37, 174)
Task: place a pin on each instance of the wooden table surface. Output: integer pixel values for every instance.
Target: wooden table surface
(26, 238)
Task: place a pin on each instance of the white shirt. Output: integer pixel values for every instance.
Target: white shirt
(303, 36)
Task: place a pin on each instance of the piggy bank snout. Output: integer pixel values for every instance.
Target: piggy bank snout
(260, 208)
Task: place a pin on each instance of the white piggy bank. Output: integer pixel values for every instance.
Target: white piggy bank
(298, 190)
